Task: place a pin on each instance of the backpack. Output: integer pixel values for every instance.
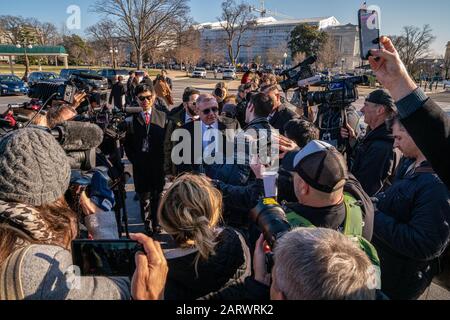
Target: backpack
(353, 229)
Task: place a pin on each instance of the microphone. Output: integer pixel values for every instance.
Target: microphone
(309, 81)
(78, 136)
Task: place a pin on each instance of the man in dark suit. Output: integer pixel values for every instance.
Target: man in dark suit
(118, 92)
(144, 146)
(209, 137)
(178, 117)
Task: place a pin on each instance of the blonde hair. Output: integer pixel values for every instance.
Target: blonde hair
(190, 211)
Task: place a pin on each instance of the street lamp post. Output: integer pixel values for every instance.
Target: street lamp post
(285, 56)
(114, 52)
(25, 45)
(342, 61)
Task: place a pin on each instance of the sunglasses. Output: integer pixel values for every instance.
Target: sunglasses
(208, 111)
(143, 98)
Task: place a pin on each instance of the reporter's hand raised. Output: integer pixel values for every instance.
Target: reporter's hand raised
(390, 70)
(149, 279)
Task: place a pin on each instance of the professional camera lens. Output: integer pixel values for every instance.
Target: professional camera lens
(271, 219)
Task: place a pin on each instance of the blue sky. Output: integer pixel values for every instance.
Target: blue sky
(395, 14)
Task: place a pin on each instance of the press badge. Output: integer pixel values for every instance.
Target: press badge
(145, 145)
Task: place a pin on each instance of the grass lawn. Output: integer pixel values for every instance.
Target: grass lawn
(19, 69)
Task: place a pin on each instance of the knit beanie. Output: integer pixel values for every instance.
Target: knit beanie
(34, 168)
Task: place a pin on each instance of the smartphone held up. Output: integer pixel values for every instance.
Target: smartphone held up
(369, 30)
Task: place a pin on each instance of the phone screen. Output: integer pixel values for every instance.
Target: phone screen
(105, 258)
(369, 31)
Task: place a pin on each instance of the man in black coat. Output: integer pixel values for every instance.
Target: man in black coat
(118, 92)
(178, 117)
(374, 159)
(130, 96)
(424, 120)
(144, 146)
(208, 139)
(411, 228)
(282, 113)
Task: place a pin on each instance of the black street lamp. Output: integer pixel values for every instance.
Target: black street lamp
(114, 52)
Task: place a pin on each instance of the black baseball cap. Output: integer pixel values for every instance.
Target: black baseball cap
(320, 165)
(382, 97)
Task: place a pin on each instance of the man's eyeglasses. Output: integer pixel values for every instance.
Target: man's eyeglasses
(143, 98)
(208, 111)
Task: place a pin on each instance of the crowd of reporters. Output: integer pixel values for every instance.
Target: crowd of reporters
(368, 223)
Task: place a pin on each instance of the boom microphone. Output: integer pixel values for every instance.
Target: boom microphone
(78, 136)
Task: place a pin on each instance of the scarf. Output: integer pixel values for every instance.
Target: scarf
(27, 220)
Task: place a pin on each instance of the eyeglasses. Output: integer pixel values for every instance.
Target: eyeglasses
(143, 98)
(208, 111)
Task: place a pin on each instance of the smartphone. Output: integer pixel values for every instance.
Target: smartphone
(105, 258)
(369, 31)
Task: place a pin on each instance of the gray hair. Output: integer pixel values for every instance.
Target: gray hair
(321, 264)
(205, 98)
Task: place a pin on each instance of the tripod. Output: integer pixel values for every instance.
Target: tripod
(119, 182)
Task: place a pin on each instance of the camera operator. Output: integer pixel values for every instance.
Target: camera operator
(411, 228)
(374, 159)
(330, 120)
(326, 193)
(117, 94)
(36, 221)
(424, 120)
(282, 112)
(309, 264)
(144, 146)
(37, 227)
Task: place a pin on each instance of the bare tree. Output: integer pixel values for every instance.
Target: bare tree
(143, 21)
(236, 20)
(413, 43)
(212, 52)
(274, 56)
(328, 54)
(103, 33)
(187, 48)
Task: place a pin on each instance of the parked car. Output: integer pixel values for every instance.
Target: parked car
(229, 74)
(110, 75)
(11, 84)
(199, 73)
(36, 77)
(97, 84)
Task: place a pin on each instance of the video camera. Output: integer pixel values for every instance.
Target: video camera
(300, 72)
(340, 92)
(78, 82)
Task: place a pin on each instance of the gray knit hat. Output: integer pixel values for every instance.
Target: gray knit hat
(34, 169)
